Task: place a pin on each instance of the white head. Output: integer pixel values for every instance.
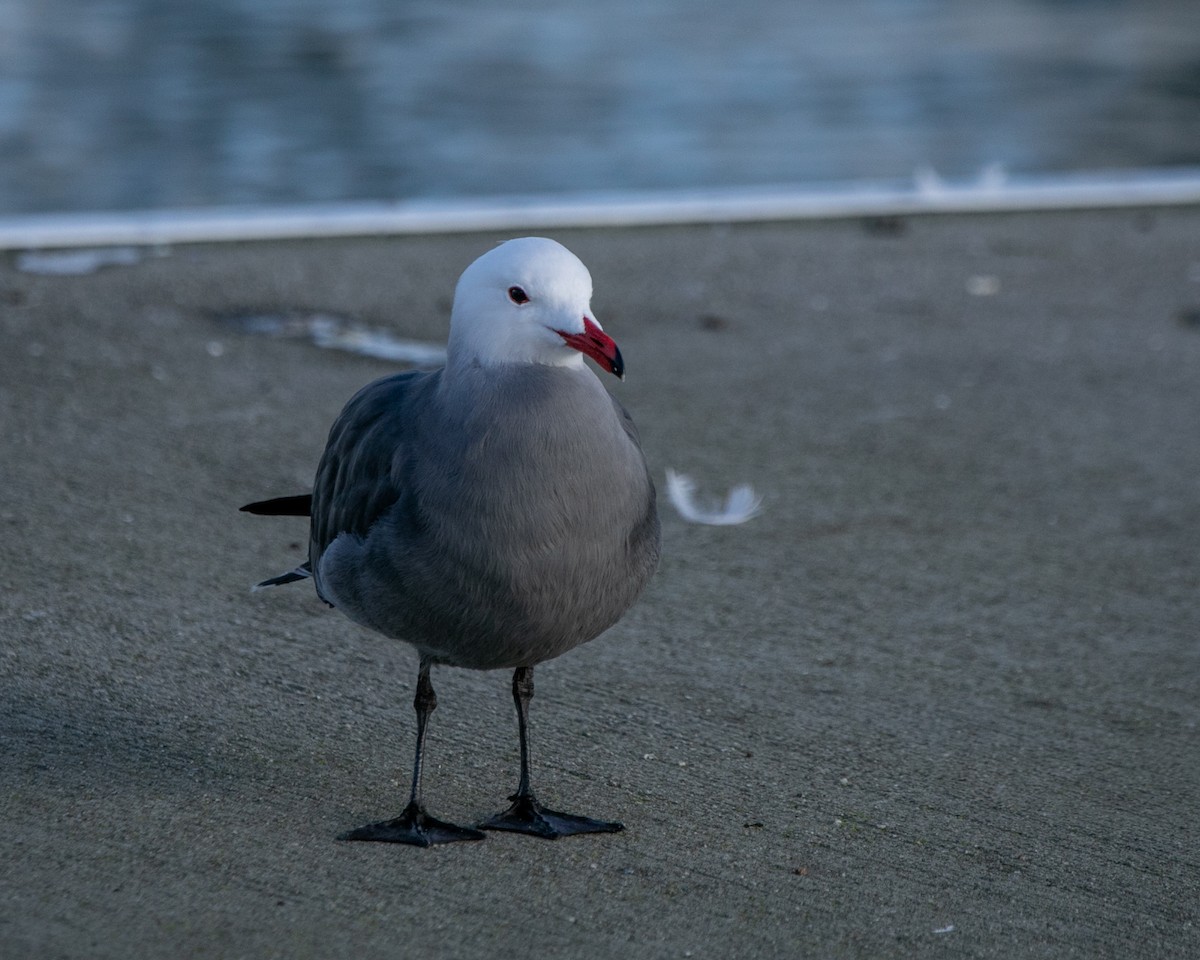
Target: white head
(528, 301)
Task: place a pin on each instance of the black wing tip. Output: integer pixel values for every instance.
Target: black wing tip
(297, 506)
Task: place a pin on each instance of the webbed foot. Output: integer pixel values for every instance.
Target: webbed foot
(413, 826)
(526, 815)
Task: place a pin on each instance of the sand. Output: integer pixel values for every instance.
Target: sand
(940, 699)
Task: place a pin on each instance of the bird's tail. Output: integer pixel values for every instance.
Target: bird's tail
(297, 506)
(302, 572)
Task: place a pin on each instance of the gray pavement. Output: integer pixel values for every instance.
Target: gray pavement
(940, 699)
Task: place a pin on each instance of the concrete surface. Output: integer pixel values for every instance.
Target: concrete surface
(939, 700)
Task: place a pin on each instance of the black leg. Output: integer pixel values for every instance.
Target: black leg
(526, 815)
(414, 825)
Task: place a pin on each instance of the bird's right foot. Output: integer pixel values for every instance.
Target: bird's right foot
(414, 826)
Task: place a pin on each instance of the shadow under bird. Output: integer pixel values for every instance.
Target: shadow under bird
(494, 513)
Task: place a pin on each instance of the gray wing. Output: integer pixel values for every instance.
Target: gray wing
(359, 476)
(646, 535)
(631, 429)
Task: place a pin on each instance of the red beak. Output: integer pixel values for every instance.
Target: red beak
(598, 345)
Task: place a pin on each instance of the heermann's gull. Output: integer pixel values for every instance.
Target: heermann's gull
(494, 513)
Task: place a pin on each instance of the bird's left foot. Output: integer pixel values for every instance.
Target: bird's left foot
(526, 815)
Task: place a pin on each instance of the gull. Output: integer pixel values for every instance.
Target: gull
(493, 513)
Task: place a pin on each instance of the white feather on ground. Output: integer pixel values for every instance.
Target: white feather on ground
(741, 503)
(378, 344)
(335, 332)
(66, 263)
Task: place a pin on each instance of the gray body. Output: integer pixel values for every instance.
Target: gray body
(490, 515)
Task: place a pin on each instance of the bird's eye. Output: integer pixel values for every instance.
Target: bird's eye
(517, 295)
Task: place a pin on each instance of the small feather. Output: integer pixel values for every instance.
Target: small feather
(741, 503)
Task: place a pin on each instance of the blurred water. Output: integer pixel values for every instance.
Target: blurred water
(118, 104)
